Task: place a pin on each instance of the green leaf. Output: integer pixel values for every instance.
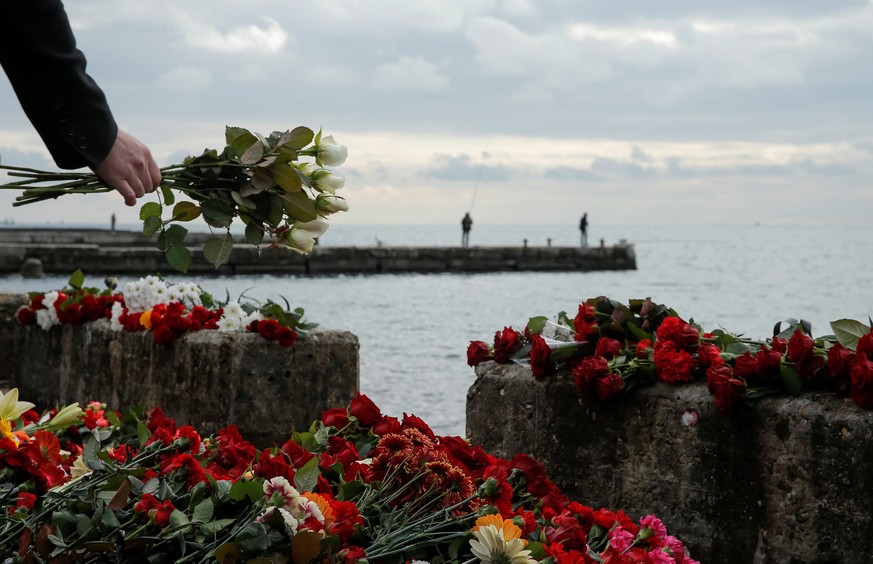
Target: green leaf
(253, 538)
(217, 212)
(221, 489)
(227, 552)
(217, 250)
(306, 477)
(274, 215)
(791, 378)
(242, 201)
(142, 432)
(254, 490)
(305, 546)
(297, 138)
(253, 154)
(232, 133)
(109, 520)
(286, 177)
(150, 209)
(77, 279)
(254, 233)
(179, 257)
(242, 142)
(204, 511)
(151, 225)
(178, 519)
(536, 324)
(168, 195)
(638, 333)
(119, 500)
(175, 234)
(212, 528)
(186, 211)
(848, 331)
(299, 206)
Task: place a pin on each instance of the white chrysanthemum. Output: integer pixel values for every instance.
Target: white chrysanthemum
(43, 319)
(497, 541)
(234, 310)
(253, 316)
(174, 295)
(114, 323)
(229, 324)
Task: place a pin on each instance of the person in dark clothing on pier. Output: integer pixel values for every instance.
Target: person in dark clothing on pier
(583, 227)
(64, 104)
(466, 224)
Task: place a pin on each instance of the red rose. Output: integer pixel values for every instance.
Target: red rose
(414, 422)
(477, 353)
(709, 355)
(643, 349)
(779, 345)
(335, 417)
(541, 364)
(506, 343)
(585, 322)
(865, 344)
(746, 367)
(26, 316)
(586, 373)
(609, 386)
(769, 361)
(716, 374)
(607, 348)
(386, 426)
(286, 337)
(840, 361)
(364, 410)
(728, 393)
(861, 373)
(800, 348)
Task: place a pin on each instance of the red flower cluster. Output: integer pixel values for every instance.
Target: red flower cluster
(271, 330)
(73, 308)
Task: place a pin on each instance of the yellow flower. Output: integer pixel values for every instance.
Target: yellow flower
(6, 430)
(498, 541)
(146, 320)
(10, 408)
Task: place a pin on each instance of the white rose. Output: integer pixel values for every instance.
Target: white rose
(328, 204)
(331, 153)
(302, 236)
(326, 181)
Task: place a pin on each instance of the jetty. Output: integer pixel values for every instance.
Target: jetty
(61, 251)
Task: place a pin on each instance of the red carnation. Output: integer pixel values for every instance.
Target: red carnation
(364, 410)
(477, 353)
(644, 349)
(673, 365)
(607, 348)
(709, 355)
(286, 337)
(588, 371)
(158, 511)
(609, 386)
(541, 363)
(506, 343)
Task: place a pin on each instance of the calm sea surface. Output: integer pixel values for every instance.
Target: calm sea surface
(414, 328)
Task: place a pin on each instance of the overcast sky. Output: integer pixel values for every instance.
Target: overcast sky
(648, 112)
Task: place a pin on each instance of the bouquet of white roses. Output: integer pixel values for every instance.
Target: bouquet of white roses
(263, 181)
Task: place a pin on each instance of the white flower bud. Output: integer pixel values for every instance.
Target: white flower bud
(328, 204)
(331, 153)
(326, 181)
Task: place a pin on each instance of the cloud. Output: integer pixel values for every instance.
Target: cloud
(460, 167)
(410, 74)
(570, 173)
(270, 38)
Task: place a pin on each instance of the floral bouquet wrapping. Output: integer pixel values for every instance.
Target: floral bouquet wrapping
(280, 186)
(98, 485)
(610, 348)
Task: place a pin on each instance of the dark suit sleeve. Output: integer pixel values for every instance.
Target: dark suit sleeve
(47, 72)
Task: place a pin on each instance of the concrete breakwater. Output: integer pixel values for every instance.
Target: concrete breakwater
(60, 251)
(789, 480)
(208, 379)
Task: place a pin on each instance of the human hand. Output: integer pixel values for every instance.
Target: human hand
(129, 168)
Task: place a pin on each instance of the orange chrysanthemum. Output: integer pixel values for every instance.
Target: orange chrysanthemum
(323, 506)
(507, 529)
(146, 320)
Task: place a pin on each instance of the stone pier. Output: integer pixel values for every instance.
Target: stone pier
(208, 379)
(786, 480)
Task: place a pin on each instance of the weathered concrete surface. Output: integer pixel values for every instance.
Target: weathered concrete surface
(207, 379)
(96, 252)
(789, 480)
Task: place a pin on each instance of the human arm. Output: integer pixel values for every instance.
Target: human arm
(67, 108)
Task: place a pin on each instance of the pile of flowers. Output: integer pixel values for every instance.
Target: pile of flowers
(358, 486)
(166, 310)
(610, 348)
(263, 181)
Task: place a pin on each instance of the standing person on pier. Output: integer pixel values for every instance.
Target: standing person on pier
(466, 224)
(583, 227)
(64, 104)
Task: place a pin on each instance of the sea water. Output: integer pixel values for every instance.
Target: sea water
(414, 328)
